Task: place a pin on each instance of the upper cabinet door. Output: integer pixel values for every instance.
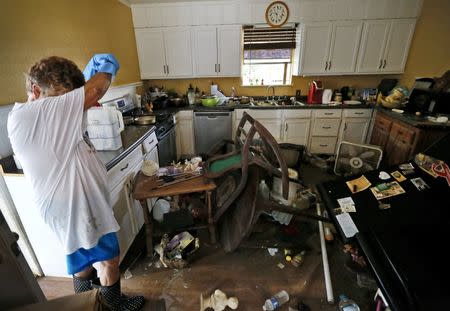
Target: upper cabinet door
(178, 51)
(176, 14)
(344, 46)
(397, 47)
(205, 51)
(229, 51)
(373, 42)
(316, 39)
(150, 48)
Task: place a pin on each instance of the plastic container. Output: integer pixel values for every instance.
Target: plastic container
(160, 208)
(346, 304)
(276, 301)
(191, 95)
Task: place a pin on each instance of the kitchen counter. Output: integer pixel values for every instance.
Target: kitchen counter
(413, 120)
(132, 136)
(247, 106)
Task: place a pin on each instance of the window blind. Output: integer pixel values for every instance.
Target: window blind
(269, 38)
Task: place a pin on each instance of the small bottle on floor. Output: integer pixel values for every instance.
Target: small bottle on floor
(276, 301)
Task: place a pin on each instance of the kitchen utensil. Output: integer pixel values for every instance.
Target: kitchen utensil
(145, 120)
(128, 120)
(326, 96)
(210, 102)
(177, 101)
(315, 92)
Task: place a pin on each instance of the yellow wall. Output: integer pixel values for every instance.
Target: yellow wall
(429, 56)
(33, 29)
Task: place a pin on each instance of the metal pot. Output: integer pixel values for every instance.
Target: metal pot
(128, 120)
(145, 120)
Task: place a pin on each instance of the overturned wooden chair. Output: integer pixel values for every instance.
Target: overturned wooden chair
(238, 175)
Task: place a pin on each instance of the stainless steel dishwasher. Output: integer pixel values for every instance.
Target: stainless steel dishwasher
(210, 128)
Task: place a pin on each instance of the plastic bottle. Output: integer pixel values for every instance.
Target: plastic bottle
(191, 95)
(276, 301)
(346, 304)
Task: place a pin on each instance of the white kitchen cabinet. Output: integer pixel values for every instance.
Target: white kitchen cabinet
(216, 13)
(176, 14)
(184, 129)
(330, 47)
(164, 52)
(325, 131)
(217, 51)
(178, 50)
(270, 119)
(385, 45)
(229, 51)
(150, 48)
(354, 130)
(397, 46)
(296, 126)
(296, 131)
(122, 212)
(316, 38)
(355, 125)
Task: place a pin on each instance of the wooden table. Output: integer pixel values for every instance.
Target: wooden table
(147, 187)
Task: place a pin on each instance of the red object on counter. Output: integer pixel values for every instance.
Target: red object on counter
(315, 92)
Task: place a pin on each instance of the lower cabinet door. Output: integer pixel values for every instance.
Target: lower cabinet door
(355, 130)
(296, 131)
(119, 201)
(396, 151)
(379, 137)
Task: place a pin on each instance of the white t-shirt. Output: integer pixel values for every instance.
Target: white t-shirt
(67, 177)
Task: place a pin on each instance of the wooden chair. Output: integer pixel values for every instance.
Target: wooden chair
(255, 150)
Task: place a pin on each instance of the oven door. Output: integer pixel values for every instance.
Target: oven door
(167, 148)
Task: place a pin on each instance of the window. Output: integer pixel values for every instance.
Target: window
(268, 54)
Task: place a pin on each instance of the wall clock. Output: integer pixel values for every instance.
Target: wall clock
(277, 13)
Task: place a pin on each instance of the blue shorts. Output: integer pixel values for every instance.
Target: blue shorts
(106, 248)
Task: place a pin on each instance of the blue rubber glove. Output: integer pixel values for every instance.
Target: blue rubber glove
(101, 63)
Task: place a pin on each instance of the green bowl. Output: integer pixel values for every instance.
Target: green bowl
(210, 102)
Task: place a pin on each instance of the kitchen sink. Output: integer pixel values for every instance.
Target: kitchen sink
(273, 103)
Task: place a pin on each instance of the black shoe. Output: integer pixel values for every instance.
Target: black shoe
(111, 297)
(81, 285)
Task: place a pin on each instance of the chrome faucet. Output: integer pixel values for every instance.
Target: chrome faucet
(273, 92)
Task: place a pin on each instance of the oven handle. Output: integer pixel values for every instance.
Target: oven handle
(172, 129)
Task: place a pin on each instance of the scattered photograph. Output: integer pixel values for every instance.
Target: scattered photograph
(398, 176)
(420, 184)
(386, 190)
(406, 166)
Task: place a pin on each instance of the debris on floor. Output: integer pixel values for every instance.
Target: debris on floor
(127, 274)
(177, 252)
(218, 301)
(272, 251)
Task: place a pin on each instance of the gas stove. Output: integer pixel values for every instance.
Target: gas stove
(163, 120)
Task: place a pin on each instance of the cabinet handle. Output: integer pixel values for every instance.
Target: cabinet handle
(164, 68)
(219, 67)
(384, 65)
(359, 112)
(167, 69)
(345, 126)
(329, 65)
(286, 128)
(328, 113)
(381, 64)
(215, 67)
(322, 145)
(326, 66)
(124, 168)
(326, 127)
